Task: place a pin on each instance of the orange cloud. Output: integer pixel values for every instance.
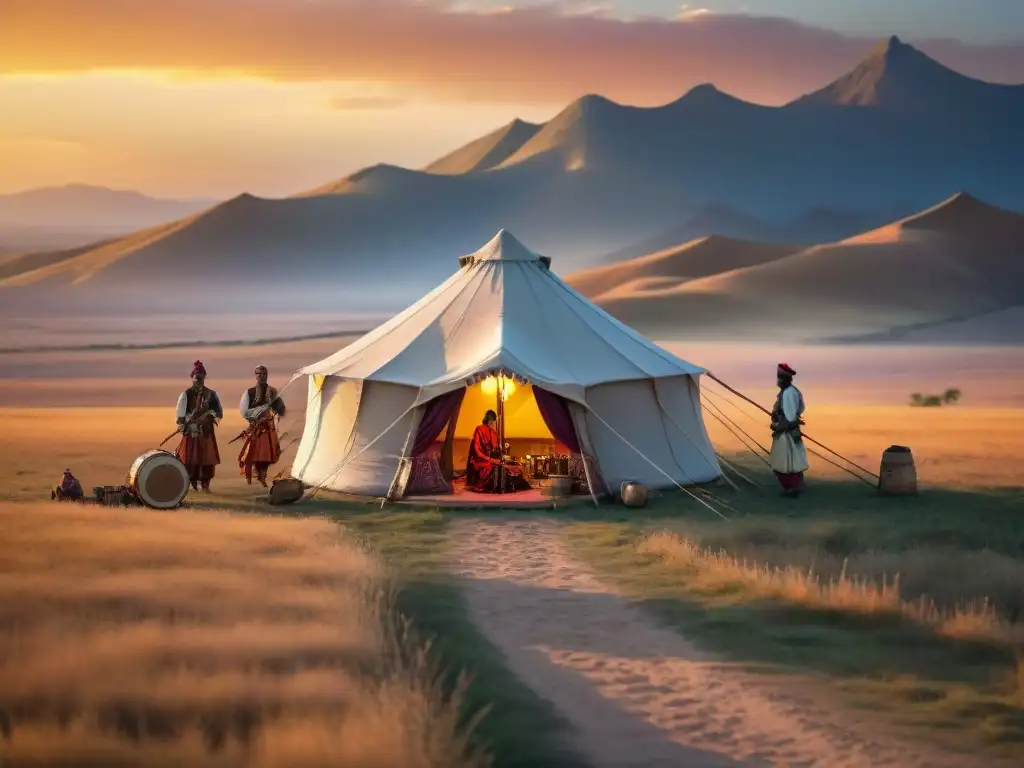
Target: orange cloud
(359, 103)
(538, 54)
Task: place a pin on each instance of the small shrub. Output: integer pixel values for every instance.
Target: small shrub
(949, 397)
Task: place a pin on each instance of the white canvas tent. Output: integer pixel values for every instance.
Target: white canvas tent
(635, 408)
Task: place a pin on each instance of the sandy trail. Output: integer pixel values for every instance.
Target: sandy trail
(637, 694)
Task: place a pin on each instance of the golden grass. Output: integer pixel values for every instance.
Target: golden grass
(98, 444)
(954, 446)
(132, 637)
(846, 590)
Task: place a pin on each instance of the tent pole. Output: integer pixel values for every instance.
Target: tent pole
(583, 455)
(501, 433)
(393, 489)
(586, 473)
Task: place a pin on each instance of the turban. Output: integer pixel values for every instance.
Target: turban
(785, 370)
(198, 367)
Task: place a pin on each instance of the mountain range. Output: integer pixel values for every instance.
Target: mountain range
(77, 214)
(961, 260)
(817, 225)
(84, 205)
(598, 182)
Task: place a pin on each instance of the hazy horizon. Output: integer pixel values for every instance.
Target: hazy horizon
(989, 377)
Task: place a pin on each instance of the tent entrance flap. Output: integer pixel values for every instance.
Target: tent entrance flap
(539, 435)
(536, 422)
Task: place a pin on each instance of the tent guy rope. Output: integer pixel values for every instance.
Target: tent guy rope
(739, 433)
(675, 482)
(733, 468)
(809, 450)
(686, 434)
(806, 437)
(348, 459)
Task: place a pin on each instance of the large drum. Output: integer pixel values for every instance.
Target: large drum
(158, 479)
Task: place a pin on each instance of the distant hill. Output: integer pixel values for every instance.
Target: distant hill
(83, 206)
(33, 239)
(597, 178)
(487, 152)
(959, 259)
(669, 268)
(897, 76)
(817, 225)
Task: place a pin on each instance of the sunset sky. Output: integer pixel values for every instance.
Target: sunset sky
(210, 98)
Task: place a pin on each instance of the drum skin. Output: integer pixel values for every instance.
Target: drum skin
(158, 479)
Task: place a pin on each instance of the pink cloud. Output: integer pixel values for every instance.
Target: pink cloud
(539, 54)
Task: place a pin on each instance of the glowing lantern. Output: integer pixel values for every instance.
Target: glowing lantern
(490, 386)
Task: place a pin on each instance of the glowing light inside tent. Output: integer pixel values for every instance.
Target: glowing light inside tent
(490, 386)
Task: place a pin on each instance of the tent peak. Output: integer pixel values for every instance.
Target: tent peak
(504, 246)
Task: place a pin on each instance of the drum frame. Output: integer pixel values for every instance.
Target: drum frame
(135, 475)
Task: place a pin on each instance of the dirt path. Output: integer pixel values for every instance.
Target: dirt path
(635, 693)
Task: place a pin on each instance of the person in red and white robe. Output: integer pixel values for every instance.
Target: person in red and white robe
(788, 457)
(262, 448)
(197, 412)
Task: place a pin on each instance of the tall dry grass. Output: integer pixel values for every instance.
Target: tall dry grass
(132, 637)
(946, 570)
(845, 588)
(957, 446)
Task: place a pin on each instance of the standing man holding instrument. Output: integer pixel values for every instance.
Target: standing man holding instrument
(262, 447)
(788, 456)
(198, 412)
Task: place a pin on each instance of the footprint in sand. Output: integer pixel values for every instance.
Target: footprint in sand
(637, 694)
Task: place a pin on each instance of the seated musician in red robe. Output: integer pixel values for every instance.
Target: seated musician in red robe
(484, 461)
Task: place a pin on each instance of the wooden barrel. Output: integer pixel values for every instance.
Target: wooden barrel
(898, 474)
(558, 486)
(633, 494)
